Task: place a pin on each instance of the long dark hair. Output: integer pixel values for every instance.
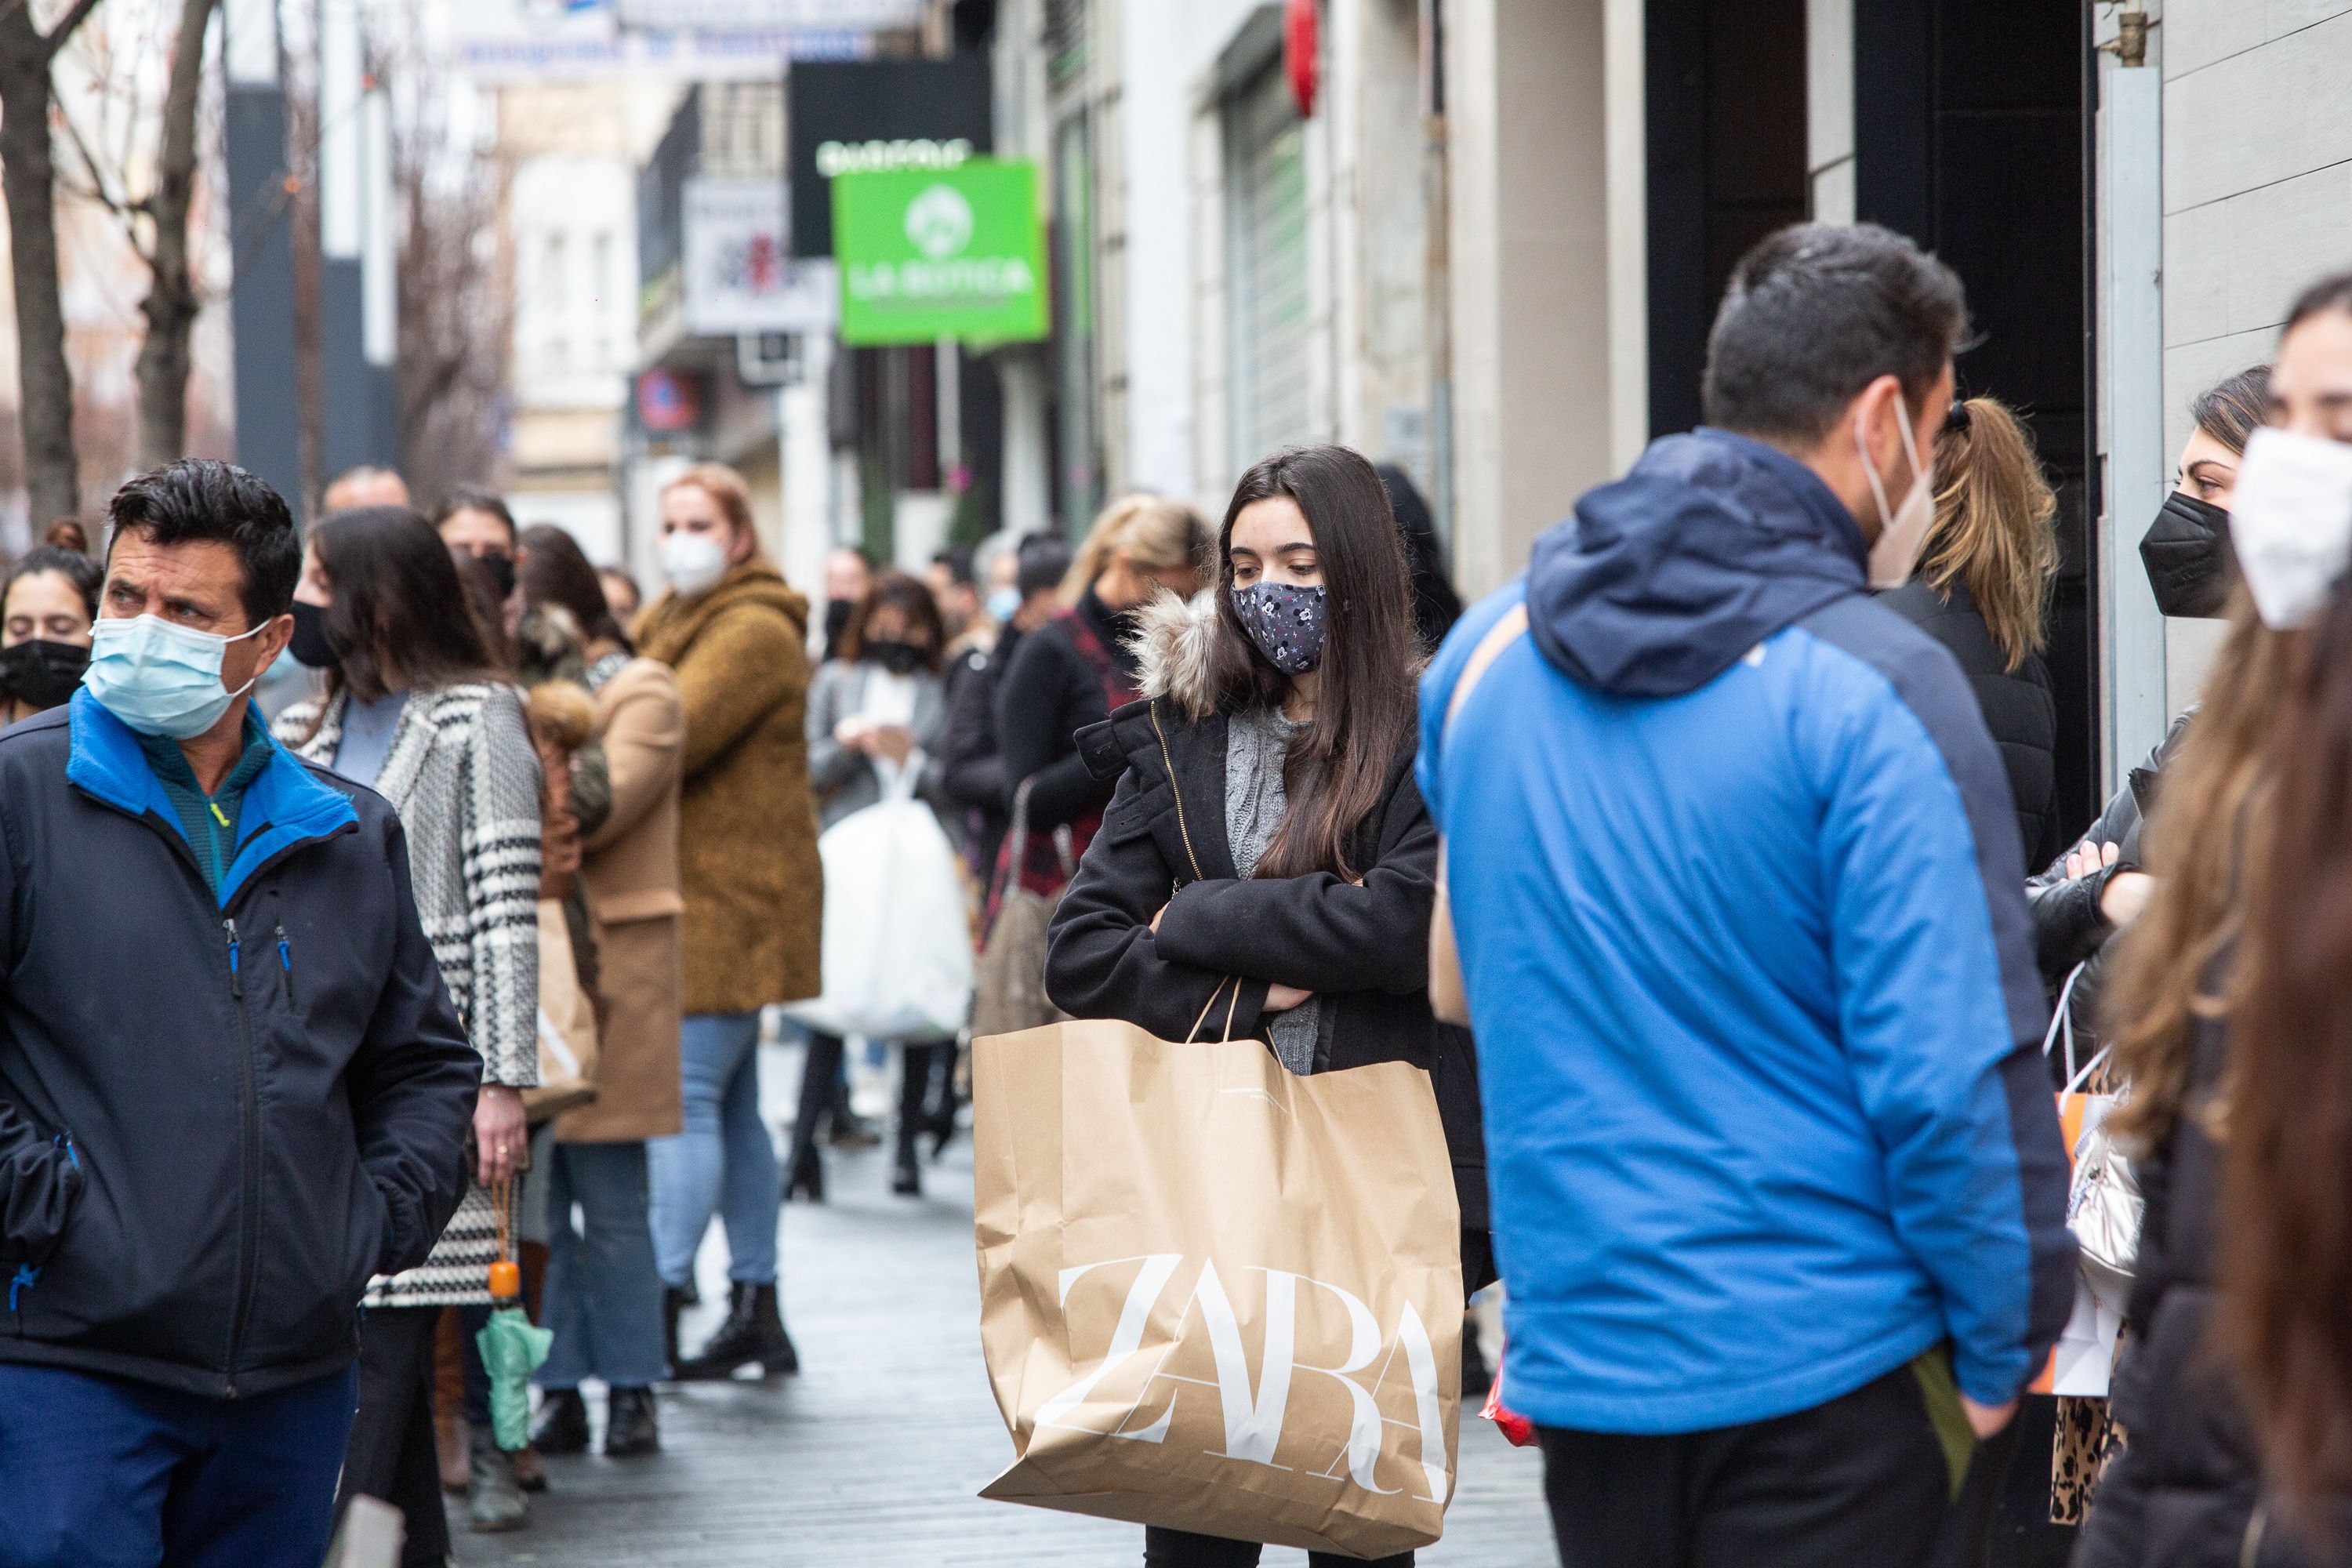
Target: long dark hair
(1365, 707)
(399, 608)
(2288, 1097)
(555, 572)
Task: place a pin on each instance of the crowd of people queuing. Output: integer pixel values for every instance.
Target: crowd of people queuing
(1713, 870)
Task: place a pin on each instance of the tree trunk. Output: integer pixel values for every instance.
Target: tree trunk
(170, 305)
(52, 475)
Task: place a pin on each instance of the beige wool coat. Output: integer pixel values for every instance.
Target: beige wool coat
(630, 874)
(755, 893)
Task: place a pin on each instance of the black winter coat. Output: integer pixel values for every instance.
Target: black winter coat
(219, 1116)
(2185, 1491)
(1050, 693)
(972, 765)
(2019, 707)
(1362, 949)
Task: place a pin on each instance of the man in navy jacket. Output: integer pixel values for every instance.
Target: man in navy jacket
(232, 1085)
(1776, 1180)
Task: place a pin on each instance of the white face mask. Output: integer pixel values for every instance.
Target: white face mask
(2291, 523)
(692, 561)
(1902, 532)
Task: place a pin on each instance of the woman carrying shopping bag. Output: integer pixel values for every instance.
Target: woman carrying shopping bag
(876, 716)
(1266, 840)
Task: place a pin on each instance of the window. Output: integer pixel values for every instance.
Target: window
(1265, 220)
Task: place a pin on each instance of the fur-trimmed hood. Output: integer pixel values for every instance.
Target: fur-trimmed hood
(1172, 645)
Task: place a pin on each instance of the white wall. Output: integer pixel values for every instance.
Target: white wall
(2257, 202)
(1158, 249)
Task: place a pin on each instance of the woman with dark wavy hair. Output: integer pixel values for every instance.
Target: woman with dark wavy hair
(1282, 810)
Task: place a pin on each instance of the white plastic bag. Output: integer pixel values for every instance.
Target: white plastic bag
(898, 944)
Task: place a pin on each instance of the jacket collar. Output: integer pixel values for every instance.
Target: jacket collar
(105, 763)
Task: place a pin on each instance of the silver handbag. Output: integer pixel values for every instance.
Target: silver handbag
(2102, 1204)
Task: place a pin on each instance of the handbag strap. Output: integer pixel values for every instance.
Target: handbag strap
(2061, 1022)
(1017, 862)
(1232, 1008)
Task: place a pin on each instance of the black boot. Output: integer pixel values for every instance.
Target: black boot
(806, 1177)
(563, 1424)
(630, 1425)
(907, 1178)
(753, 1331)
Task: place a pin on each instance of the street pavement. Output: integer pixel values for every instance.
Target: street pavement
(874, 1453)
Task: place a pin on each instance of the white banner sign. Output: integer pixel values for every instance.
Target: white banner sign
(739, 272)
(575, 40)
(757, 15)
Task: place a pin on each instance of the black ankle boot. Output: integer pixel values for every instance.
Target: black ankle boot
(906, 1179)
(753, 1331)
(563, 1424)
(807, 1175)
(630, 1425)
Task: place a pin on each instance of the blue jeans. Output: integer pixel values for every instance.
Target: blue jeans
(96, 1472)
(603, 1291)
(724, 1163)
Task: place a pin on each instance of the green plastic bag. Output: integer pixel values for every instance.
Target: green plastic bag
(513, 1349)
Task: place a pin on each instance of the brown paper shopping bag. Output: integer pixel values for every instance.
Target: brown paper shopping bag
(1216, 1296)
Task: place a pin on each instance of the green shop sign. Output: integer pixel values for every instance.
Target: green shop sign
(927, 254)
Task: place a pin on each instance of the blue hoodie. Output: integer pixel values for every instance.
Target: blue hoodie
(1742, 918)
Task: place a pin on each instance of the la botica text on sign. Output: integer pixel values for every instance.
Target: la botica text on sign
(932, 253)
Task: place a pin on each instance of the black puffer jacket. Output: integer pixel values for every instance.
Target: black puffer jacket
(1364, 949)
(2017, 704)
(2186, 1490)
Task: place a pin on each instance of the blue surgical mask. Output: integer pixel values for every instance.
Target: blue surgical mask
(1003, 603)
(159, 678)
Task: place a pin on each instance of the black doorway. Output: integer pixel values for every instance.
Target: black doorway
(1968, 136)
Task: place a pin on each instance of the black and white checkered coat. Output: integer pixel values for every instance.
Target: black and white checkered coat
(464, 777)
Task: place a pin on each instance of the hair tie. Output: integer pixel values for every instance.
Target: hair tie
(1958, 419)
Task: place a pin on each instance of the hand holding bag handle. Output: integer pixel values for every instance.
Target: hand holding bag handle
(1448, 997)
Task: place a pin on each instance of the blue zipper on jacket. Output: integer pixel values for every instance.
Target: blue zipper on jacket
(27, 1275)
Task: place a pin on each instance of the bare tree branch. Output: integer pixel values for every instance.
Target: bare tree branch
(56, 38)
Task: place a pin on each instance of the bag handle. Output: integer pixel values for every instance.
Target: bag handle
(1019, 859)
(2061, 1022)
(1232, 1007)
(1448, 998)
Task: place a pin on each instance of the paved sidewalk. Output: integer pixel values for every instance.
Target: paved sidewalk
(874, 1454)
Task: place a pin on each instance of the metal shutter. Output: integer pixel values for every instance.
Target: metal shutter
(1265, 201)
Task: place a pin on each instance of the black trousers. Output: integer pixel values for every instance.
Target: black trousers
(391, 1455)
(1859, 1482)
(1182, 1549)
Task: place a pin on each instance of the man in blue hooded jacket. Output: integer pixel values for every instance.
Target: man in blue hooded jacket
(1778, 1183)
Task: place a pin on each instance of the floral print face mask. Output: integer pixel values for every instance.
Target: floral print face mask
(1285, 621)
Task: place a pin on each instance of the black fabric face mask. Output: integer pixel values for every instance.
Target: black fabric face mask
(40, 673)
(836, 621)
(897, 657)
(2187, 554)
(309, 645)
(502, 573)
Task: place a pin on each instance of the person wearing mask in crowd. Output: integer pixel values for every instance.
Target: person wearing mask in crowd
(1079, 666)
(416, 710)
(1281, 809)
(1739, 909)
(366, 485)
(477, 525)
(972, 763)
(1982, 590)
(46, 611)
(188, 1229)
(604, 1295)
(622, 596)
(847, 575)
(1435, 605)
(2097, 887)
(754, 891)
(2255, 1214)
(875, 718)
